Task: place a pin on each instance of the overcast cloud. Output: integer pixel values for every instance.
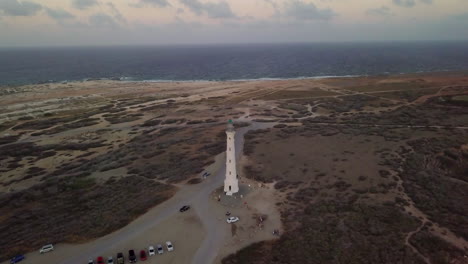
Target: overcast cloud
(212, 9)
(144, 3)
(16, 8)
(84, 4)
(104, 22)
(410, 3)
(101, 20)
(382, 11)
(116, 13)
(59, 14)
(307, 11)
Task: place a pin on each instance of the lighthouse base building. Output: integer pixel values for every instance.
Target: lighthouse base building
(231, 183)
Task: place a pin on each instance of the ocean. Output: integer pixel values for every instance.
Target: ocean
(227, 62)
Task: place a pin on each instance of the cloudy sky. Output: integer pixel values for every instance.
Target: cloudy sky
(127, 22)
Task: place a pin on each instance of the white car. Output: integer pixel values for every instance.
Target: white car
(110, 260)
(160, 249)
(232, 219)
(169, 246)
(151, 251)
(46, 248)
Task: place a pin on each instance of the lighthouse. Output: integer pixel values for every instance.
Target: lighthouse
(231, 184)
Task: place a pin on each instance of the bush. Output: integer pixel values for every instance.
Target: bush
(86, 210)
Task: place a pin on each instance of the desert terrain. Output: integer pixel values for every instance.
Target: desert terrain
(348, 170)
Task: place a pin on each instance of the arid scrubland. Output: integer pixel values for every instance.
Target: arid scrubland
(369, 170)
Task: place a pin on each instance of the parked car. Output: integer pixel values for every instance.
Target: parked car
(143, 256)
(169, 246)
(46, 248)
(160, 249)
(16, 259)
(151, 251)
(131, 256)
(90, 261)
(184, 208)
(120, 258)
(100, 260)
(232, 219)
(110, 260)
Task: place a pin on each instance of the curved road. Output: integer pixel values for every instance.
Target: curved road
(197, 196)
(214, 231)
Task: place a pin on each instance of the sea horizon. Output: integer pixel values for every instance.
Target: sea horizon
(228, 62)
(177, 44)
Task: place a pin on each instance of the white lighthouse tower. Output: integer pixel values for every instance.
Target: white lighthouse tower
(231, 184)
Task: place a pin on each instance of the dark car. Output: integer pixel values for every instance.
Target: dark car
(160, 249)
(100, 260)
(16, 259)
(131, 256)
(184, 208)
(120, 258)
(143, 256)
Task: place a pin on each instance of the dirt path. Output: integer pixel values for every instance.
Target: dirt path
(415, 250)
(216, 230)
(147, 228)
(441, 92)
(374, 125)
(441, 232)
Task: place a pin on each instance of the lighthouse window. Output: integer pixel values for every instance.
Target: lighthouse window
(229, 138)
(229, 149)
(229, 161)
(229, 173)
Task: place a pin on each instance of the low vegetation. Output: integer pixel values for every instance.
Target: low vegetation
(337, 210)
(353, 162)
(435, 177)
(436, 249)
(86, 210)
(337, 232)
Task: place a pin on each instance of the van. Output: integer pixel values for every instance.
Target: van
(46, 248)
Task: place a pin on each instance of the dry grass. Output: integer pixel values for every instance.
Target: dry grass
(463, 98)
(285, 94)
(409, 95)
(389, 86)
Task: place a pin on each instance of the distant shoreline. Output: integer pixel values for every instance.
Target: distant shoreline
(264, 79)
(228, 63)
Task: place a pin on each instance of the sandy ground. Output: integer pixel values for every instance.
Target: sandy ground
(185, 233)
(259, 201)
(200, 235)
(220, 240)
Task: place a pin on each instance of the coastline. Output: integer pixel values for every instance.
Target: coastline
(125, 79)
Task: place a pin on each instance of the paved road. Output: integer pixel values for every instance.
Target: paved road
(197, 196)
(215, 229)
